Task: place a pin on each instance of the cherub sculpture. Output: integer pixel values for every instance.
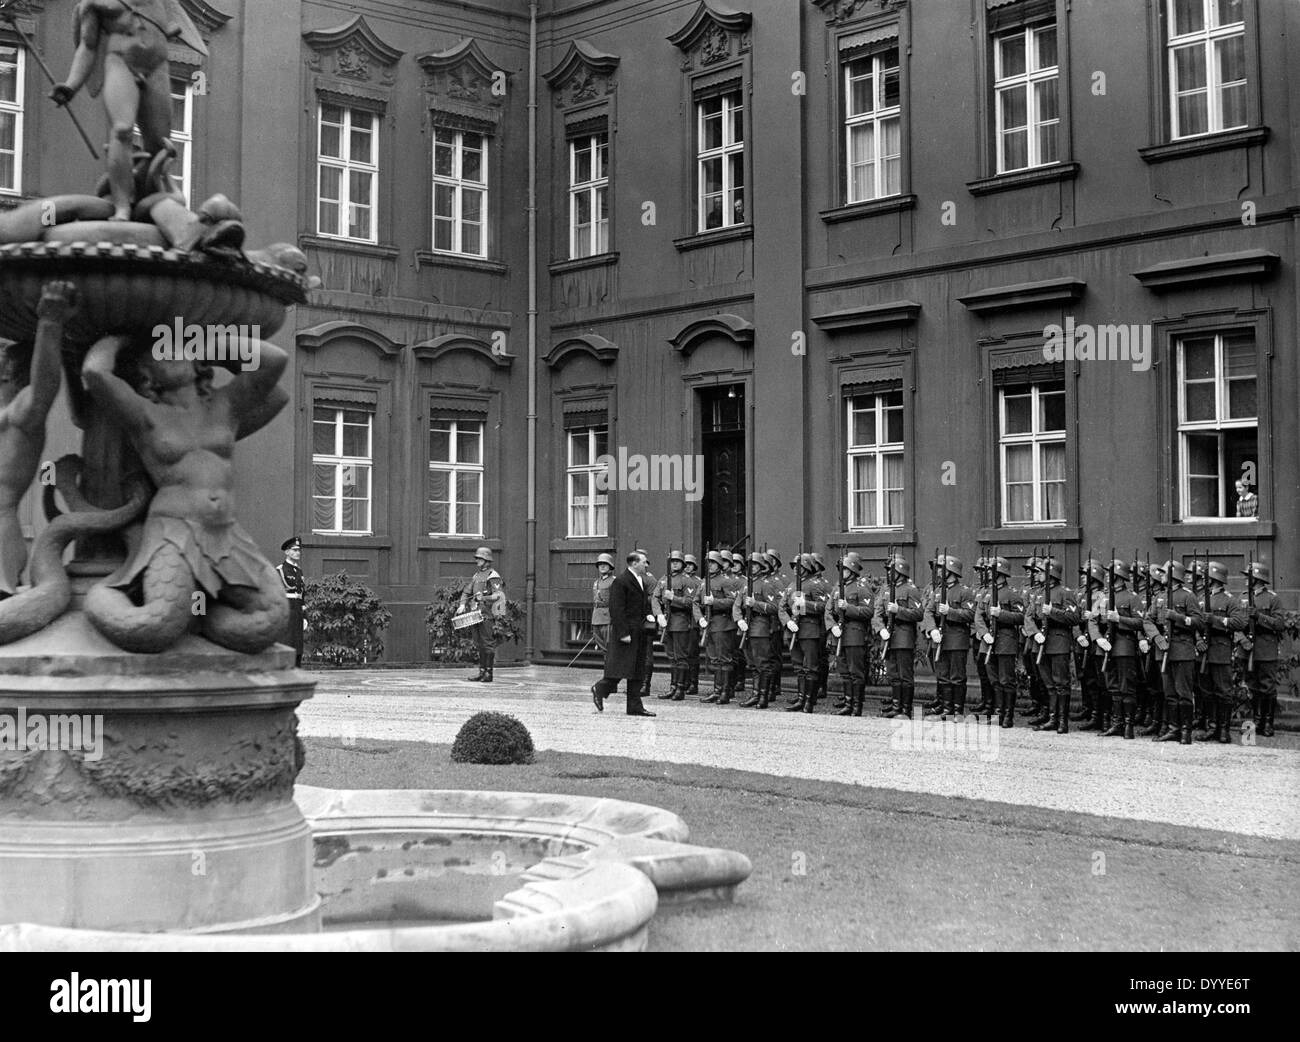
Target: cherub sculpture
(193, 559)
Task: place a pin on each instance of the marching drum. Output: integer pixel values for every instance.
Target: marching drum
(469, 618)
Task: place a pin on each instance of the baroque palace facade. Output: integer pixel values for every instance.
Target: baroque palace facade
(818, 243)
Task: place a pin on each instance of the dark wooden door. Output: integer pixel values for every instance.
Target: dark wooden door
(722, 426)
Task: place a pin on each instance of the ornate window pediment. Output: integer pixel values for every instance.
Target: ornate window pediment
(583, 76)
(352, 53)
(714, 34)
(840, 11)
(463, 74)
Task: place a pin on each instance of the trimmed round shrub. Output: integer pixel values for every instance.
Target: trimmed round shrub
(492, 738)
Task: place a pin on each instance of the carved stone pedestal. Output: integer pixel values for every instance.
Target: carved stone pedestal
(151, 792)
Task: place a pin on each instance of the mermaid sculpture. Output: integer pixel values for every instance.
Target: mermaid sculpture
(194, 564)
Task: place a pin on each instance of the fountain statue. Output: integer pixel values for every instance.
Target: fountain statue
(159, 634)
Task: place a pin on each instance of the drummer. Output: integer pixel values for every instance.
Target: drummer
(485, 593)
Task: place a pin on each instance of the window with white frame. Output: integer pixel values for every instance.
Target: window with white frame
(12, 68)
(342, 467)
(347, 162)
(1026, 79)
(873, 126)
(456, 477)
(875, 460)
(588, 195)
(182, 134)
(460, 192)
(1218, 421)
(1032, 451)
(720, 161)
(588, 506)
(1207, 66)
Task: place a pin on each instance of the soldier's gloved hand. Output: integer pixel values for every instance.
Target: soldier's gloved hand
(1112, 616)
(1103, 643)
(941, 608)
(995, 610)
(841, 604)
(708, 598)
(884, 634)
(1144, 646)
(662, 621)
(1040, 637)
(936, 636)
(1083, 641)
(703, 623)
(988, 638)
(835, 632)
(892, 607)
(749, 602)
(792, 626)
(650, 618)
(742, 625)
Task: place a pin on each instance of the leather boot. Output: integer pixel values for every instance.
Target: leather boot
(1169, 732)
(1052, 720)
(491, 657)
(1225, 733)
(1063, 717)
(810, 703)
(935, 708)
(716, 693)
(859, 696)
(770, 686)
(1129, 724)
(1186, 716)
(1116, 729)
(728, 687)
(891, 707)
(850, 699)
(675, 683)
(1157, 718)
(1213, 725)
(802, 696)
(1007, 711)
(760, 692)
(909, 696)
(482, 668)
(1267, 711)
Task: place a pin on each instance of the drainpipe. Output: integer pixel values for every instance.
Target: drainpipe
(530, 523)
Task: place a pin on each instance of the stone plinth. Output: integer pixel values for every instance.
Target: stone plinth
(168, 803)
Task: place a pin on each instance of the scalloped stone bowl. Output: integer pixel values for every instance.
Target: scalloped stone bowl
(125, 287)
(454, 870)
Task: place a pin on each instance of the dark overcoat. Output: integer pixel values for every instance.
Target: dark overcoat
(628, 606)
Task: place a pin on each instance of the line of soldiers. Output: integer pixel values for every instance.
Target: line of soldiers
(1152, 644)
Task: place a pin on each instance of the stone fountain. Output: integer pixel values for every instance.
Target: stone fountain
(148, 734)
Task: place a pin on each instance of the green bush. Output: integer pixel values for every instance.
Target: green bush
(492, 738)
(345, 621)
(451, 645)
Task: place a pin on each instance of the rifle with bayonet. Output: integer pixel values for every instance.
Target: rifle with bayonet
(1112, 629)
(798, 593)
(1205, 578)
(1029, 628)
(835, 614)
(1250, 604)
(1045, 601)
(708, 592)
(748, 612)
(993, 599)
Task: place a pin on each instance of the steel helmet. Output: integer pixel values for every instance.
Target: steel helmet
(1259, 572)
(1031, 564)
(852, 561)
(1120, 568)
(691, 562)
(483, 554)
(818, 562)
(899, 564)
(759, 558)
(715, 557)
(1174, 570)
(1002, 566)
(676, 555)
(953, 565)
(1157, 574)
(1218, 571)
(606, 559)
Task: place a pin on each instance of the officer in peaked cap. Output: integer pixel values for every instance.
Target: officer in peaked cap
(294, 587)
(484, 592)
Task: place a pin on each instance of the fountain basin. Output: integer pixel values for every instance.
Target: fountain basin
(455, 870)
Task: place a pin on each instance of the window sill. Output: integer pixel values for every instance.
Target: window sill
(874, 537)
(1037, 175)
(598, 260)
(366, 249)
(1197, 146)
(717, 235)
(458, 542)
(1222, 528)
(334, 541)
(1061, 533)
(455, 260)
(582, 544)
(869, 208)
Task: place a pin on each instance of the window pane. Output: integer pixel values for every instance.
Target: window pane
(894, 426)
(712, 135)
(579, 448)
(1011, 51)
(330, 141)
(864, 424)
(361, 142)
(1199, 402)
(322, 476)
(581, 164)
(8, 74)
(890, 86)
(1018, 414)
(1242, 400)
(864, 474)
(1052, 461)
(468, 487)
(443, 158)
(471, 165)
(1020, 463)
(322, 443)
(331, 182)
(1189, 16)
(737, 124)
(712, 170)
(1228, 11)
(356, 440)
(1053, 410)
(860, 88)
(444, 200)
(439, 518)
(1198, 359)
(1045, 45)
(471, 205)
(440, 444)
(469, 443)
(1015, 110)
(1045, 99)
(322, 512)
(440, 486)
(1189, 68)
(442, 234)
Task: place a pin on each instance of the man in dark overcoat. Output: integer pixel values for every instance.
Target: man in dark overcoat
(625, 658)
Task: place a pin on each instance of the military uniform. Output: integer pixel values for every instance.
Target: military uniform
(692, 571)
(803, 613)
(1092, 684)
(1058, 612)
(295, 587)
(1269, 624)
(1006, 626)
(716, 599)
(953, 612)
(758, 611)
(1121, 658)
(1153, 662)
(897, 631)
(1226, 618)
(1182, 621)
(681, 613)
(849, 624)
(600, 602)
(980, 628)
(739, 659)
(654, 593)
(1032, 592)
(484, 592)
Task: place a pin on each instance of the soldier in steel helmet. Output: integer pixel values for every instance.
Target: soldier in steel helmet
(1226, 618)
(848, 617)
(1267, 624)
(679, 619)
(894, 622)
(484, 592)
(600, 600)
